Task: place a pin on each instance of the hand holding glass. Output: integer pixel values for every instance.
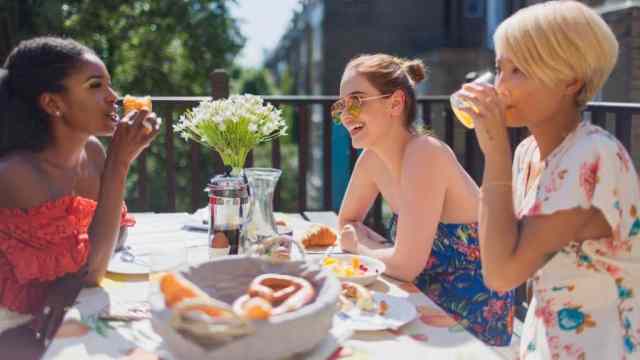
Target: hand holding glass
(461, 108)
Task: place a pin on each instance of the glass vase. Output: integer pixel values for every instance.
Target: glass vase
(261, 224)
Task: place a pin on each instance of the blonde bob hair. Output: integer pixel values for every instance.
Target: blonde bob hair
(560, 41)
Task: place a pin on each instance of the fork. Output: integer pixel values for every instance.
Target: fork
(126, 255)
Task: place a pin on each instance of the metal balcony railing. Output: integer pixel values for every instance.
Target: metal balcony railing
(162, 160)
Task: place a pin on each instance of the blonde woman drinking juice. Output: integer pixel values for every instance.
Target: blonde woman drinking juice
(564, 212)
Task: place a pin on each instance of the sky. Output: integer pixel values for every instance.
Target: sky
(262, 22)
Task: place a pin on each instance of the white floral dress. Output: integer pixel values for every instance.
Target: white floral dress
(585, 303)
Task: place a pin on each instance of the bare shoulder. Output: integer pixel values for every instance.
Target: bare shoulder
(367, 161)
(21, 183)
(367, 169)
(428, 150)
(96, 152)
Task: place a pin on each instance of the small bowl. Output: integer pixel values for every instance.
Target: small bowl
(375, 268)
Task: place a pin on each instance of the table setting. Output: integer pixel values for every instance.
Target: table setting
(115, 320)
(235, 280)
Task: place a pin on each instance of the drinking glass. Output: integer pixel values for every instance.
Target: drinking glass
(461, 107)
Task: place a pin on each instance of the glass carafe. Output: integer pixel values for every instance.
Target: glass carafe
(261, 223)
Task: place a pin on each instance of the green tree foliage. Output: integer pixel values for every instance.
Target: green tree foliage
(161, 48)
(254, 81)
(21, 19)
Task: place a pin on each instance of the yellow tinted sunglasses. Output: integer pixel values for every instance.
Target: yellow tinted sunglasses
(351, 105)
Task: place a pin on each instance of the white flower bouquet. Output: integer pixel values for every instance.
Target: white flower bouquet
(232, 126)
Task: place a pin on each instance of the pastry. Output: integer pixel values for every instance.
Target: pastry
(284, 293)
(131, 103)
(176, 288)
(195, 314)
(208, 322)
(356, 295)
(318, 236)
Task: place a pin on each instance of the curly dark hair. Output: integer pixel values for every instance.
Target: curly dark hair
(32, 68)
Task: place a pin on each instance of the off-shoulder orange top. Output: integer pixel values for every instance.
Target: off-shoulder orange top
(41, 244)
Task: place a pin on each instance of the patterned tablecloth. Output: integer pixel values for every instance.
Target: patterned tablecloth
(91, 328)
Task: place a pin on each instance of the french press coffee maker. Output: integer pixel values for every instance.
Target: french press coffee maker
(228, 211)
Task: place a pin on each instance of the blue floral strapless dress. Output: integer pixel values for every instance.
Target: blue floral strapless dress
(452, 278)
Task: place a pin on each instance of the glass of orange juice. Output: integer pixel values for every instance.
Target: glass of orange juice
(461, 107)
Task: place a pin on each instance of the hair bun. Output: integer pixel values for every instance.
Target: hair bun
(415, 69)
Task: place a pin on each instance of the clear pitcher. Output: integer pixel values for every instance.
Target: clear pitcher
(261, 224)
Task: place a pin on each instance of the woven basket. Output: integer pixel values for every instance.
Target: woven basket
(228, 278)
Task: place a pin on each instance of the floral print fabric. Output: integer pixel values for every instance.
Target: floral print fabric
(452, 278)
(585, 303)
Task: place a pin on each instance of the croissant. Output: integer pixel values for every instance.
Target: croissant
(319, 235)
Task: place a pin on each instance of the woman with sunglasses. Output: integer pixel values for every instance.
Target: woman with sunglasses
(435, 202)
(565, 211)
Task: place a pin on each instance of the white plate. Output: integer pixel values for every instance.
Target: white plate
(399, 313)
(139, 265)
(375, 268)
(162, 259)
